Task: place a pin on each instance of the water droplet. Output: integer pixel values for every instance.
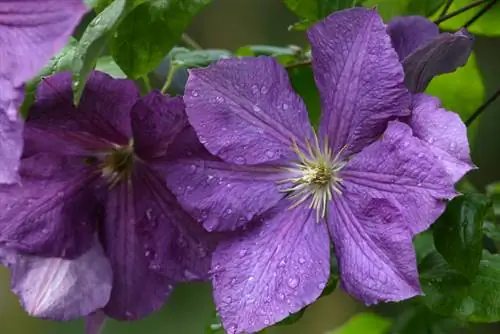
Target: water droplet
(284, 106)
(219, 99)
(269, 154)
(266, 322)
(255, 89)
(243, 252)
(281, 296)
(430, 140)
(195, 93)
(251, 278)
(45, 231)
(263, 90)
(256, 108)
(192, 168)
(189, 188)
(321, 286)
(240, 160)
(147, 253)
(227, 299)
(282, 264)
(302, 260)
(453, 146)
(149, 213)
(293, 282)
(228, 212)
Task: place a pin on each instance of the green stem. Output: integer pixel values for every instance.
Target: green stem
(170, 78)
(482, 108)
(460, 11)
(147, 83)
(191, 42)
(446, 8)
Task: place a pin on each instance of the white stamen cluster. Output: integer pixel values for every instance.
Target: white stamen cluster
(315, 176)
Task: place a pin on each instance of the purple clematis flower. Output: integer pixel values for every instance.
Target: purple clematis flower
(425, 52)
(91, 224)
(31, 31)
(366, 181)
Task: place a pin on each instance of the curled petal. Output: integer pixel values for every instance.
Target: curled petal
(54, 209)
(374, 249)
(219, 195)
(59, 289)
(359, 78)
(245, 110)
(410, 32)
(443, 54)
(274, 270)
(402, 169)
(444, 133)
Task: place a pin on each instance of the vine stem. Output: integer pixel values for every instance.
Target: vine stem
(191, 42)
(483, 11)
(461, 10)
(482, 108)
(446, 8)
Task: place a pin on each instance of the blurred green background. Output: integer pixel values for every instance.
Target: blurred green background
(230, 24)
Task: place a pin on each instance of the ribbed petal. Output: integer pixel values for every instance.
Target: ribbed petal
(359, 78)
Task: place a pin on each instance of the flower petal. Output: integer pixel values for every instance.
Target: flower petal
(359, 77)
(410, 32)
(245, 110)
(156, 121)
(94, 323)
(274, 270)
(11, 146)
(444, 54)
(138, 287)
(32, 32)
(103, 115)
(401, 168)
(219, 195)
(444, 132)
(374, 248)
(54, 209)
(59, 289)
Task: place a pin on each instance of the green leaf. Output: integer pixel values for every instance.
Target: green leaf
(492, 230)
(107, 64)
(148, 33)
(215, 327)
(98, 5)
(303, 83)
(61, 62)
(461, 91)
(366, 323)
(493, 191)
(313, 10)
(424, 245)
(485, 25)
(458, 233)
(419, 319)
(94, 40)
(197, 58)
(391, 8)
(285, 55)
(292, 318)
(450, 294)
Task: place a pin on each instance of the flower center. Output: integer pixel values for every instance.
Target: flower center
(117, 164)
(314, 176)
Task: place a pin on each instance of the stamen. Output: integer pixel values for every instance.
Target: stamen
(314, 176)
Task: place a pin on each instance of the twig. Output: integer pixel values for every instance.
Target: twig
(482, 108)
(298, 64)
(445, 8)
(170, 77)
(191, 42)
(480, 13)
(460, 11)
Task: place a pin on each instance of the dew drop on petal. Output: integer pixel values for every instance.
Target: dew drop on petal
(269, 154)
(263, 90)
(195, 93)
(256, 108)
(251, 278)
(284, 106)
(293, 282)
(240, 160)
(227, 299)
(243, 252)
(219, 99)
(302, 260)
(321, 286)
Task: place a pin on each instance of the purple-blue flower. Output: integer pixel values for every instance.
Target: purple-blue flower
(424, 52)
(370, 179)
(31, 31)
(91, 223)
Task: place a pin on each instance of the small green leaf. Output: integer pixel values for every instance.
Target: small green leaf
(303, 83)
(313, 10)
(59, 63)
(94, 40)
(458, 233)
(487, 24)
(450, 294)
(391, 8)
(148, 33)
(461, 91)
(492, 230)
(419, 319)
(366, 323)
(197, 58)
(108, 65)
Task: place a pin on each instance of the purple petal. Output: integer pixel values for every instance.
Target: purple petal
(444, 54)
(156, 121)
(138, 287)
(32, 32)
(94, 323)
(272, 271)
(102, 117)
(410, 32)
(359, 77)
(52, 211)
(11, 145)
(374, 249)
(402, 169)
(177, 246)
(59, 289)
(444, 132)
(245, 110)
(219, 195)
